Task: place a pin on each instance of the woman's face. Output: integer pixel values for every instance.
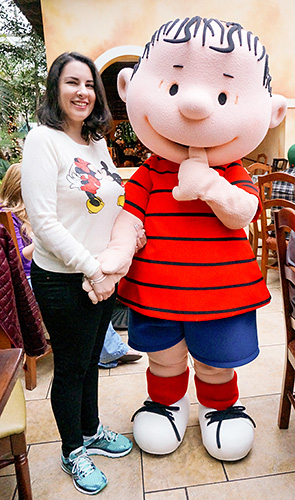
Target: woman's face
(76, 94)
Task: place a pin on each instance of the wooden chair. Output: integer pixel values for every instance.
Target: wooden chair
(258, 168)
(269, 243)
(255, 233)
(261, 157)
(13, 447)
(285, 220)
(279, 164)
(31, 361)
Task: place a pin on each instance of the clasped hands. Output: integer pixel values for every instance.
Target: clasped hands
(101, 285)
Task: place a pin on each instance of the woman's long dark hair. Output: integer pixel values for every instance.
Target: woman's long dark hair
(98, 123)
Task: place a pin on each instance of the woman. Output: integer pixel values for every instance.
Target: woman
(11, 201)
(73, 195)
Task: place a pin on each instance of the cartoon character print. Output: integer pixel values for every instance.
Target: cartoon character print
(82, 175)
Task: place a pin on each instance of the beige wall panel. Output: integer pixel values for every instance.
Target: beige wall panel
(94, 26)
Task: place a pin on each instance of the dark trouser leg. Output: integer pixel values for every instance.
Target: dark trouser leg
(77, 329)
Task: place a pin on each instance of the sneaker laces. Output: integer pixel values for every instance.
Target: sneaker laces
(164, 410)
(228, 414)
(107, 435)
(82, 466)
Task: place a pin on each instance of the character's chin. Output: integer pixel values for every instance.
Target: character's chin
(177, 151)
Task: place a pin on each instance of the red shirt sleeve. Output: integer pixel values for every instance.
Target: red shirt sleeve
(137, 191)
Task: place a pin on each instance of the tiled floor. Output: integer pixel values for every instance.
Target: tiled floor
(268, 472)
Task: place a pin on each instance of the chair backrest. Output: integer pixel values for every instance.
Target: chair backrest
(285, 221)
(261, 157)
(265, 183)
(258, 169)
(279, 164)
(7, 221)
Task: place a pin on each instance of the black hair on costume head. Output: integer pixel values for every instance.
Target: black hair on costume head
(189, 27)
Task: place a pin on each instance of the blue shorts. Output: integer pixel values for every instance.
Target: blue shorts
(224, 343)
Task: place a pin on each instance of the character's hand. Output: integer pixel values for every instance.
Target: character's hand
(192, 173)
(141, 239)
(233, 206)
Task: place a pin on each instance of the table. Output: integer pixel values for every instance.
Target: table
(11, 362)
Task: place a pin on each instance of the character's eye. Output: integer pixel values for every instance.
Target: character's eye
(173, 89)
(222, 98)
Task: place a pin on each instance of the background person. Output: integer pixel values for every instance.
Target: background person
(115, 351)
(11, 201)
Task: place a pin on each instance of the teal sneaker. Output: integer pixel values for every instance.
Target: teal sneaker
(87, 478)
(108, 443)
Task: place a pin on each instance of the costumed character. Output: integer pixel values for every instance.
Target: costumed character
(200, 98)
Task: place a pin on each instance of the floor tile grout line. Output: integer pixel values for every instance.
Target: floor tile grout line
(142, 475)
(250, 478)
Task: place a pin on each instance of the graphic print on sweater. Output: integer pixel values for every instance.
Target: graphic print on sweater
(83, 175)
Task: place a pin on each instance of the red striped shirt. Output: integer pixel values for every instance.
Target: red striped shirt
(192, 268)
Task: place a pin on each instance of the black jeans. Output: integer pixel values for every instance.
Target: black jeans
(77, 330)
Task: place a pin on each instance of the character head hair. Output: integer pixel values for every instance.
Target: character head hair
(181, 31)
(98, 123)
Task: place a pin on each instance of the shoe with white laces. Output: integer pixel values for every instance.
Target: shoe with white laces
(159, 429)
(227, 434)
(108, 443)
(87, 478)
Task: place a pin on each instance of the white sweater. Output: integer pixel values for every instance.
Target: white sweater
(73, 194)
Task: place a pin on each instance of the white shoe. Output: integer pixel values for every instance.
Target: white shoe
(159, 429)
(227, 434)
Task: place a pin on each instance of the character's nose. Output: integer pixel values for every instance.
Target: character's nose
(195, 104)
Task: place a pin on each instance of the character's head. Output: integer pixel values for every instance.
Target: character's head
(202, 83)
(52, 114)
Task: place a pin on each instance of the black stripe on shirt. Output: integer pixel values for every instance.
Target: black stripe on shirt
(194, 288)
(172, 311)
(181, 214)
(194, 264)
(179, 238)
(160, 172)
(127, 202)
(156, 191)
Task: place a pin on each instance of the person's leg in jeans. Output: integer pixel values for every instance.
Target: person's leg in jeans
(77, 329)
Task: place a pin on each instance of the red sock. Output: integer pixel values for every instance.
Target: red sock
(217, 396)
(167, 390)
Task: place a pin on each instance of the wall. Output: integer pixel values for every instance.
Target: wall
(94, 27)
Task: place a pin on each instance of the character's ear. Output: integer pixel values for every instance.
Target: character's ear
(124, 78)
(278, 110)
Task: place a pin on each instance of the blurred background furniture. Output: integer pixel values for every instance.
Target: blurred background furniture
(31, 361)
(13, 447)
(285, 220)
(255, 234)
(279, 164)
(269, 244)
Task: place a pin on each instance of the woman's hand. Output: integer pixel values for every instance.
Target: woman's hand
(98, 292)
(100, 286)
